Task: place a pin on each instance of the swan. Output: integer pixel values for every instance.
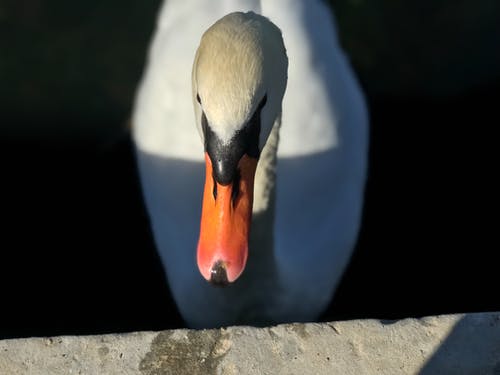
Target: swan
(255, 189)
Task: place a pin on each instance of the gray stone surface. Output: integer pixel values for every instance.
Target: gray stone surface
(450, 344)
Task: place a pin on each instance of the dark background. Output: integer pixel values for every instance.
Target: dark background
(76, 254)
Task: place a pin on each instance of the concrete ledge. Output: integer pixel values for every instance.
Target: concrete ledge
(448, 344)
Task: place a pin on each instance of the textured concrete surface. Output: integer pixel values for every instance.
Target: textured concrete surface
(450, 344)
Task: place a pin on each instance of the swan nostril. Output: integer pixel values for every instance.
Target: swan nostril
(236, 186)
(214, 190)
(218, 274)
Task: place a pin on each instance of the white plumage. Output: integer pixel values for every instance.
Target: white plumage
(301, 243)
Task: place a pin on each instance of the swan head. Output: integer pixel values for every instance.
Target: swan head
(239, 79)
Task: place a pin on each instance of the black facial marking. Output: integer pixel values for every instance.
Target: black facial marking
(225, 157)
(198, 98)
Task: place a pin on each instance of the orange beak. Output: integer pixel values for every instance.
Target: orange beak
(225, 223)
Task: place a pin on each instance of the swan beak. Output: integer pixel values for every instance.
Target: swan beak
(225, 223)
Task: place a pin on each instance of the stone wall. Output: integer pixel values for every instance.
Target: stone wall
(448, 344)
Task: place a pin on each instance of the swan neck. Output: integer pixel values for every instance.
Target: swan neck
(262, 230)
(265, 175)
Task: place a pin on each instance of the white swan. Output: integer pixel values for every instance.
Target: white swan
(306, 205)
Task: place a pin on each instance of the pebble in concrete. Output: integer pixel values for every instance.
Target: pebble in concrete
(449, 344)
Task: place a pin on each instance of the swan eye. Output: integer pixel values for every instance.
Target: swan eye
(198, 98)
(263, 102)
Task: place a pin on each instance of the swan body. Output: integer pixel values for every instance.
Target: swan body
(312, 150)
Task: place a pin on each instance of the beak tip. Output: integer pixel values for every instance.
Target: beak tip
(218, 274)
